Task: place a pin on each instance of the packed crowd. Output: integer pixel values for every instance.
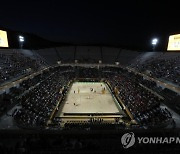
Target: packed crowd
(12, 97)
(15, 64)
(168, 69)
(87, 72)
(143, 105)
(39, 102)
(39, 95)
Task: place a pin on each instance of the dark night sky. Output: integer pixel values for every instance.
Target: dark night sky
(126, 23)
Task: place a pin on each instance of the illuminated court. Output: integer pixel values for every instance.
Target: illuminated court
(90, 98)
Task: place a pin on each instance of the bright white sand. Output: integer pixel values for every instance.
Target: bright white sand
(87, 101)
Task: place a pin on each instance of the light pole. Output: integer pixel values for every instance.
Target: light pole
(154, 43)
(21, 41)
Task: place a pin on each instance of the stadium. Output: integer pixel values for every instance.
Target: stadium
(92, 89)
(85, 87)
(89, 78)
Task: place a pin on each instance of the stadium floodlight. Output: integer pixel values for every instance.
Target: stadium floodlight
(154, 43)
(21, 41)
(21, 38)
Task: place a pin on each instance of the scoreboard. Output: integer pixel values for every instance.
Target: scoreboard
(3, 39)
(174, 43)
